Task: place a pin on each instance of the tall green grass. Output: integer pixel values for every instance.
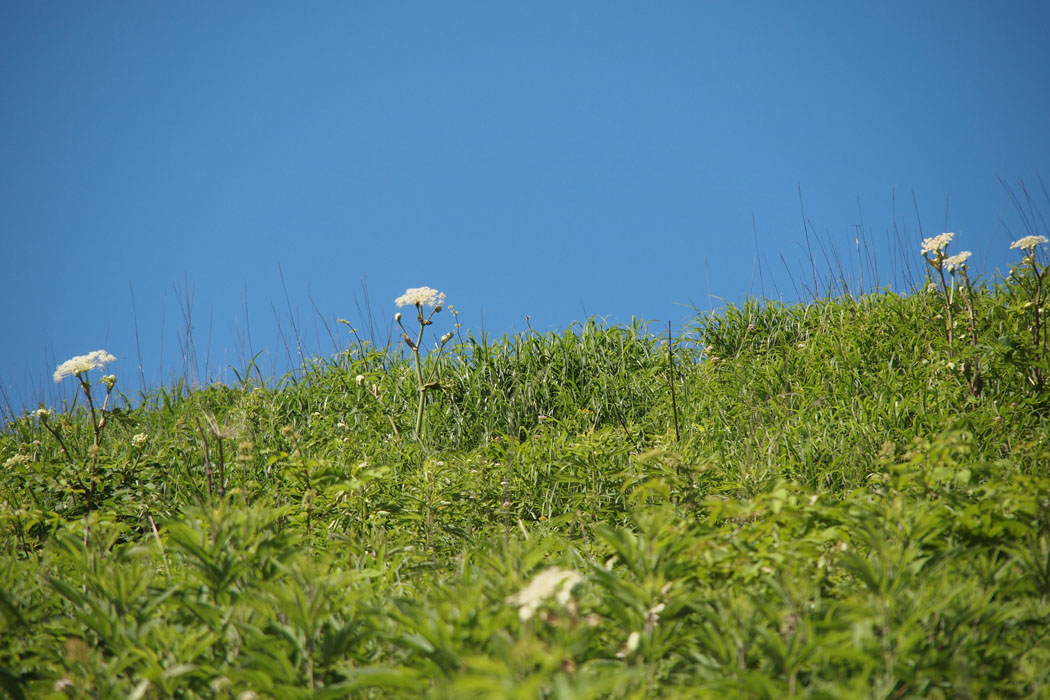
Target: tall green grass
(841, 513)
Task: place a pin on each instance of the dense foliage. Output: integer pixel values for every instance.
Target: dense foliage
(856, 504)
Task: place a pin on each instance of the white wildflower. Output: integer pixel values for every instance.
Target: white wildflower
(1028, 242)
(420, 296)
(553, 582)
(360, 379)
(75, 366)
(220, 683)
(17, 461)
(139, 439)
(630, 646)
(937, 243)
(653, 615)
(40, 413)
(957, 261)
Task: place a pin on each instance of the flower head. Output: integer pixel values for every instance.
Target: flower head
(17, 461)
(420, 296)
(957, 261)
(936, 244)
(630, 646)
(1028, 242)
(75, 366)
(553, 582)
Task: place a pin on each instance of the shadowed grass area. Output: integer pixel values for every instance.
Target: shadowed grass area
(858, 505)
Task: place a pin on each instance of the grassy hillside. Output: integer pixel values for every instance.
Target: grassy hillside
(848, 498)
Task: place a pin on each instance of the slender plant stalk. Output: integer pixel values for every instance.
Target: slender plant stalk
(670, 378)
(418, 298)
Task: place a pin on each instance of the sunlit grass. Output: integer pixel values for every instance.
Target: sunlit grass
(843, 512)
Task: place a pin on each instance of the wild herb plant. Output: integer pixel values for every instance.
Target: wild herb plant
(1033, 298)
(421, 297)
(955, 293)
(79, 367)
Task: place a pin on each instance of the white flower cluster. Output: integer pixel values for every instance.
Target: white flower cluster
(75, 366)
(139, 439)
(553, 582)
(17, 461)
(1028, 242)
(937, 243)
(420, 296)
(957, 261)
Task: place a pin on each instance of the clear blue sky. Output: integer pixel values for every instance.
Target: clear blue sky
(549, 159)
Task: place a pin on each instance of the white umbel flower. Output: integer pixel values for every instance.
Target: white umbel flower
(420, 296)
(17, 461)
(937, 243)
(1028, 242)
(75, 366)
(551, 583)
(956, 261)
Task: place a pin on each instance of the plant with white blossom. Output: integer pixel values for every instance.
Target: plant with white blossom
(79, 366)
(420, 298)
(1034, 295)
(955, 285)
(936, 245)
(553, 583)
(1028, 244)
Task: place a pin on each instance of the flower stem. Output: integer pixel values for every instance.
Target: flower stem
(419, 376)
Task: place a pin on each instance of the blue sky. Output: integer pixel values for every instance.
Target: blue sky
(543, 159)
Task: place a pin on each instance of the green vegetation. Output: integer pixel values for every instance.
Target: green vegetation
(857, 506)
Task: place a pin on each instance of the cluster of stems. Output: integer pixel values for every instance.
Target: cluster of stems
(956, 286)
(957, 291)
(429, 382)
(1035, 286)
(98, 422)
